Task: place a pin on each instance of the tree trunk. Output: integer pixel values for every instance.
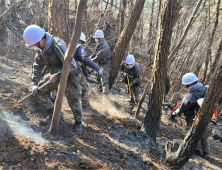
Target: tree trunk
(170, 57)
(58, 19)
(213, 67)
(3, 27)
(122, 14)
(66, 67)
(124, 39)
(142, 99)
(177, 159)
(156, 91)
(85, 22)
(158, 14)
(208, 55)
(149, 51)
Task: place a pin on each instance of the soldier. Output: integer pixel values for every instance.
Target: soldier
(102, 55)
(81, 56)
(130, 70)
(51, 51)
(190, 107)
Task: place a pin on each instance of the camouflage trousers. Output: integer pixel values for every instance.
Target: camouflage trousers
(85, 91)
(73, 94)
(135, 93)
(204, 142)
(104, 80)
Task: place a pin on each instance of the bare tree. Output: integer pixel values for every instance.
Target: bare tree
(58, 16)
(152, 119)
(213, 67)
(66, 67)
(122, 14)
(2, 26)
(170, 57)
(124, 39)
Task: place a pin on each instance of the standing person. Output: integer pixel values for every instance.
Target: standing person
(189, 107)
(51, 51)
(81, 56)
(130, 71)
(102, 55)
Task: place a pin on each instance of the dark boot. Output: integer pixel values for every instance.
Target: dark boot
(78, 126)
(197, 152)
(100, 89)
(48, 119)
(132, 101)
(205, 155)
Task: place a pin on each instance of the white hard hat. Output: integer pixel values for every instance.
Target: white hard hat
(130, 61)
(33, 34)
(82, 37)
(189, 78)
(98, 34)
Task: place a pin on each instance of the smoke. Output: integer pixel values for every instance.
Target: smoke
(107, 108)
(19, 127)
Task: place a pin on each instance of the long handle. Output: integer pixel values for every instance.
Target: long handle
(173, 110)
(128, 85)
(31, 94)
(121, 81)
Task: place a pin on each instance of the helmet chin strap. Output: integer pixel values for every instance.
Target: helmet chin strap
(39, 46)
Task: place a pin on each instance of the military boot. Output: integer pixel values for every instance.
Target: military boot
(78, 126)
(205, 155)
(48, 119)
(197, 152)
(132, 102)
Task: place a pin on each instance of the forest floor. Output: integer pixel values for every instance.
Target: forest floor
(111, 137)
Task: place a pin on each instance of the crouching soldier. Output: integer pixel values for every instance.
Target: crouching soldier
(130, 72)
(51, 51)
(189, 107)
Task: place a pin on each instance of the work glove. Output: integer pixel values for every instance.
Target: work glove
(53, 78)
(125, 74)
(100, 73)
(35, 89)
(172, 116)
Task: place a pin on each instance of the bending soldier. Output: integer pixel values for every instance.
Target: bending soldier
(190, 107)
(51, 51)
(130, 70)
(81, 56)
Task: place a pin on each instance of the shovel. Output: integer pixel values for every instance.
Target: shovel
(31, 94)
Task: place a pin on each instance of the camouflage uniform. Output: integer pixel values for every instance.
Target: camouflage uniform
(204, 140)
(102, 55)
(134, 80)
(85, 91)
(81, 56)
(53, 55)
(72, 93)
(104, 80)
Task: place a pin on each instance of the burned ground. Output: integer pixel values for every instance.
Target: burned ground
(111, 137)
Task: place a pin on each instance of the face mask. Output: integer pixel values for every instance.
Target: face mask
(96, 40)
(34, 48)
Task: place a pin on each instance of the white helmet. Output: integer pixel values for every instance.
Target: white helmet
(98, 34)
(33, 34)
(130, 61)
(189, 78)
(82, 37)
